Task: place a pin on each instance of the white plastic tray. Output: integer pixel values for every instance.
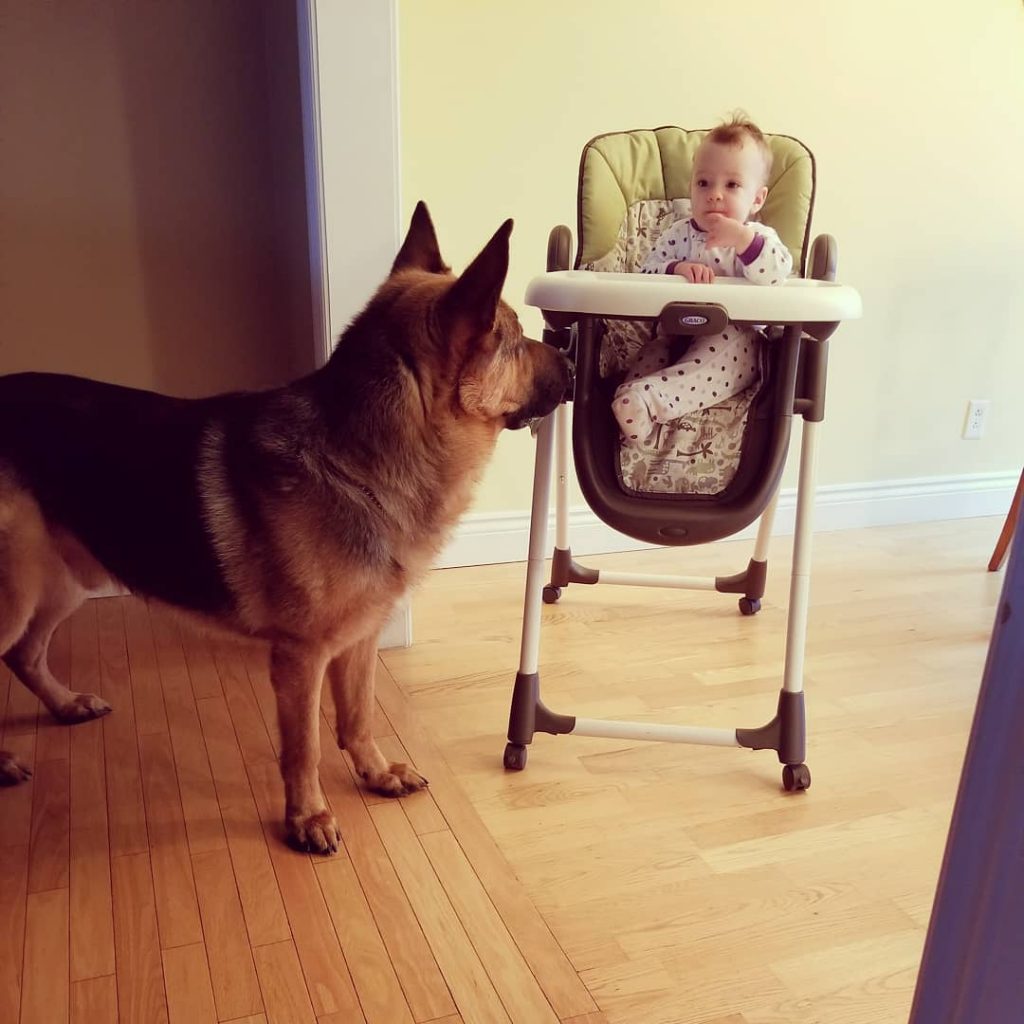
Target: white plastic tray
(631, 295)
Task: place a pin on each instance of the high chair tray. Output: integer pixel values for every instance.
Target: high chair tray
(798, 300)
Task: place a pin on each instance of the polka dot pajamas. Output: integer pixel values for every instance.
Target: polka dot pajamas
(715, 366)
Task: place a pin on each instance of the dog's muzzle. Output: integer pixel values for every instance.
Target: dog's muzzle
(549, 394)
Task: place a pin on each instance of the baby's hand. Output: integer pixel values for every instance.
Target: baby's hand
(696, 273)
(726, 233)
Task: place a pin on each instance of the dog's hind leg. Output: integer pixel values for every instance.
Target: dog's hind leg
(20, 585)
(297, 675)
(27, 659)
(351, 676)
(37, 592)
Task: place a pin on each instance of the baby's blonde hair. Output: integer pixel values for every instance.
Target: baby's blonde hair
(735, 130)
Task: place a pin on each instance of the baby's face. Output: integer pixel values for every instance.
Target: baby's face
(727, 180)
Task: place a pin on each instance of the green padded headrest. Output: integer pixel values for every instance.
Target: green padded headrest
(622, 168)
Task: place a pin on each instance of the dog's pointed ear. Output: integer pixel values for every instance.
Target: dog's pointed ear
(420, 250)
(472, 301)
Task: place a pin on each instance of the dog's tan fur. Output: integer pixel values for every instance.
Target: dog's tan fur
(298, 580)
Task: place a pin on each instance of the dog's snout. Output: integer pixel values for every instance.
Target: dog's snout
(569, 370)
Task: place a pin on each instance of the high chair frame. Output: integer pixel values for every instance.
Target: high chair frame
(572, 305)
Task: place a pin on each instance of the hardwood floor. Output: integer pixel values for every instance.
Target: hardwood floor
(143, 878)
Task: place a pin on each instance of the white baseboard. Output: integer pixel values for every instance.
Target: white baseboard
(485, 538)
(397, 631)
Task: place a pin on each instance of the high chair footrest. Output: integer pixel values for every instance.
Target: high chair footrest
(750, 582)
(528, 715)
(785, 733)
(565, 569)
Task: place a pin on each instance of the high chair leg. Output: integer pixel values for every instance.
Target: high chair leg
(527, 711)
(563, 569)
(751, 582)
(765, 527)
(786, 733)
(562, 477)
(800, 582)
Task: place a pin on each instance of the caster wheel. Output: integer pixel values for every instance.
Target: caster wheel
(796, 777)
(551, 594)
(515, 757)
(750, 606)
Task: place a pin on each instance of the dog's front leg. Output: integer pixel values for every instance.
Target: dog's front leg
(351, 676)
(297, 674)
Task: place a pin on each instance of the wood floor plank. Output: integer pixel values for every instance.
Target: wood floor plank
(94, 1000)
(92, 915)
(177, 910)
(92, 923)
(202, 671)
(13, 897)
(421, 979)
(250, 729)
(187, 980)
(140, 983)
(125, 807)
(508, 971)
(45, 994)
(559, 981)
(49, 852)
(236, 988)
(198, 794)
(258, 887)
(147, 693)
(284, 990)
(316, 942)
(471, 988)
(373, 975)
(257, 662)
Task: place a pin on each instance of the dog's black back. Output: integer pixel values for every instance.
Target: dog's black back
(135, 454)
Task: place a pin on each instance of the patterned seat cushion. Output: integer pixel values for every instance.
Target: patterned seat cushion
(695, 454)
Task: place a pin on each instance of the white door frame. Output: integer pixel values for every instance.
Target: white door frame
(348, 60)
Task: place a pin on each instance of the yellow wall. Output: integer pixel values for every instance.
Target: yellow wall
(913, 110)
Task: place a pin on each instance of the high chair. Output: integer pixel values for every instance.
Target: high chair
(632, 185)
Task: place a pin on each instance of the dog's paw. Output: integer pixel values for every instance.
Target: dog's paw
(314, 833)
(12, 771)
(398, 780)
(83, 708)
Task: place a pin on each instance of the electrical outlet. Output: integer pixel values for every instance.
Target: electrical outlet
(977, 414)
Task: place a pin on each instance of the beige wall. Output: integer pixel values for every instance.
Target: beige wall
(912, 109)
(151, 190)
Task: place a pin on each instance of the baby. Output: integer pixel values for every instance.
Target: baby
(729, 185)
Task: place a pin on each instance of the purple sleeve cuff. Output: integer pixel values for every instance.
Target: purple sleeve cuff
(752, 251)
(670, 268)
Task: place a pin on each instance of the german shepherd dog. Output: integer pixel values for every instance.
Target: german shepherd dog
(296, 516)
